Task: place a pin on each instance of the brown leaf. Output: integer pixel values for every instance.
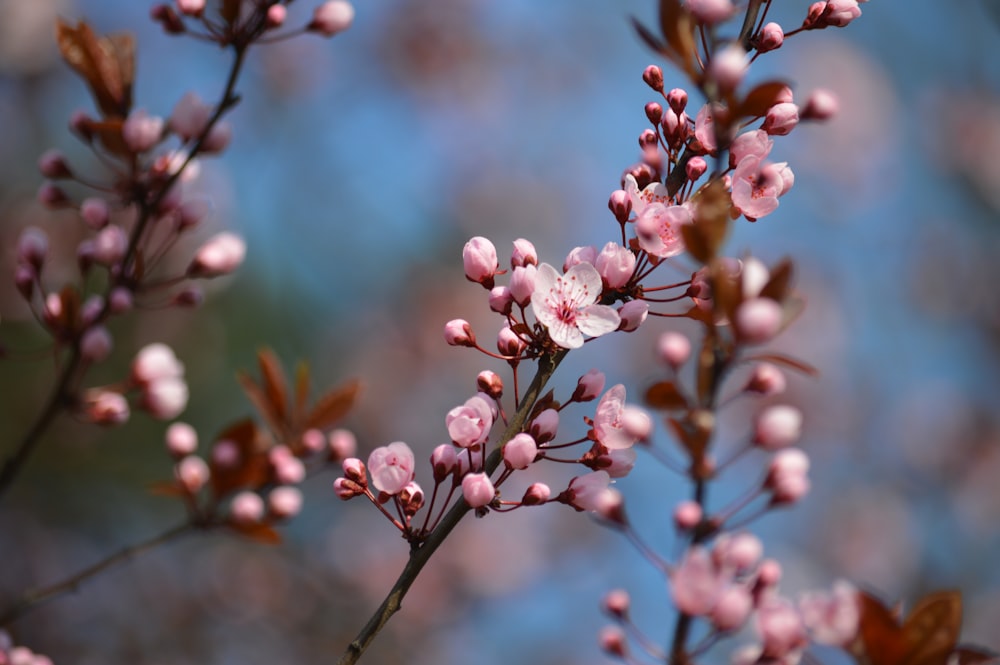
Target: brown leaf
(705, 237)
(275, 385)
(105, 63)
(261, 533)
(880, 636)
(333, 406)
(251, 470)
(665, 395)
(696, 243)
(678, 29)
(301, 390)
(970, 655)
(779, 282)
(109, 133)
(931, 631)
(651, 40)
(258, 398)
(760, 99)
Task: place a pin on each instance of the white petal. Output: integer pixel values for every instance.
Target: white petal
(566, 336)
(597, 320)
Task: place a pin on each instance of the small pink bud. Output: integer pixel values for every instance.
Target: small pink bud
(758, 320)
(839, 13)
(490, 383)
(740, 551)
(332, 18)
(142, 131)
(536, 494)
(276, 15)
(653, 76)
(355, 470)
(687, 515)
(189, 118)
(154, 362)
(780, 627)
(104, 407)
(771, 37)
(226, 454)
(710, 12)
(479, 257)
(313, 440)
(524, 254)
(189, 296)
(287, 469)
(411, 498)
(677, 98)
(633, 314)
(654, 112)
(458, 332)
(732, 609)
(544, 426)
(520, 451)
(821, 105)
(82, 125)
(95, 212)
(347, 489)
(728, 67)
(444, 461)
(616, 264)
(165, 399)
(695, 168)
(509, 343)
(192, 473)
(191, 213)
(91, 309)
(674, 349)
(221, 255)
(191, 7)
(247, 508)
(181, 439)
(95, 344)
(636, 423)
(501, 301)
(341, 445)
(777, 427)
(765, 379)
(522, 284)
(586, 254)
(478, 490)
(33, 247)
(769, 573)
(616, 603)
(110, 245)
(284, 502)
(787, 476)
(52, 164)
(620, 205)
(589, 386)
(781, 119)
(613, 641)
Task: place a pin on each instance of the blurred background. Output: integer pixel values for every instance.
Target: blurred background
(359, 168)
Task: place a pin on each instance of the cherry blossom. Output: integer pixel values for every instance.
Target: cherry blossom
(608, 426)
(567, 304)
(391, 467)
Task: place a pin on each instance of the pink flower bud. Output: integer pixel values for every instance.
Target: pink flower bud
(355, 470)
(181, 439)
(52, 164)
(674, 348)
(769, 573)
(247, 508)
(777, 427)
(654, 112)
(189, 296)
(677, 99)
(821, 105)
(839, 13)
(33, 247)
(522, 284)
(620, 205)
(142, 131)
(732, 608)
(490, 383)
(740, 551)
(765, 379)
(696, 584)
(687, 515)
(695, 168)
(287, 469)
(458, 332)
(95, 212)
(226, 454)
(218, 137)
(589, 386)
(332, 17)
(221, 255)
(189, 117)
(411, 498)
(770, 38)
(479, 258)
(444, 461)
(832, 618)
(536, 494)
(586, 492)
(636, 423)
(501, 301)
(577, 255)
(347, 489)
(166, 398)
(284, 502)
(780, 627)
(104, 407)
(653, 77)
(95, 344)
(276, 15)
(633, 314)
(710, 12)
(758, 320)
(544, 426)
(313, 440)
(509, 343)
(192, 473)
(341, 445)
(524, 254)
(391, 467)
(191, 7)
(787, 476)
(616, 603)
(781, 119)
(728, 67)
(520, 451)
(478, 490)
(613, 641)
(615, 265)
(110, 245)
(154, 362)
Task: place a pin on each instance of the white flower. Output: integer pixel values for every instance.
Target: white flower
(566, 304)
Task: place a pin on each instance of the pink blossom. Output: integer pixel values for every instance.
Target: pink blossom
(469, 425)
(658, 228)
(411, 498)
(732, 608)
(704, 127)
(391, 467)
(755, 195)
(522, 284)
(479, 256)
(781, 119)
(820, 105)
(687, 515)
(608, 426)
(618, 463)
(674, 348)
(247, 508)
(777, 426)
(191, 7)
(544, 426)
(478, 490)
(758, 320)
(536, 494)
(286, 468)
(192, 473)
(226, 454)
(341, 444)
(509, 343)
(347, 489)
(52, 164)
(780, 626)
(332, 17)
(738, 552)
(190, 116)
(221, 255)
(755, 143)
(633, 314)
(355, 470)
(501, 301)
(567, 305)
(276, 15)
(615, 264)
(616, 603)
(181, 439)
(765, 379)
(524, 254)
(520, 451)
(589, 386)
(710, 12)
(695, 168)
(95, 344)
(636, 423)
(771, 37)
(832, 618)
(653, 77)
(110, 245)
(284, 502)
(104, 407)
(165, 398)
(839, 13)
(584, 254)
(458, 332)
(728, 67)
(142, 131)
(620, 205)
(490, 383)
(95, 212)
(788, 477)
(586, 492)
(444, 461)
(613, 641)
(696, 584)
(154, 362)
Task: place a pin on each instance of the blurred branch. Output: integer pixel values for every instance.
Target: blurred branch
(36, 597)
(419, 557)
